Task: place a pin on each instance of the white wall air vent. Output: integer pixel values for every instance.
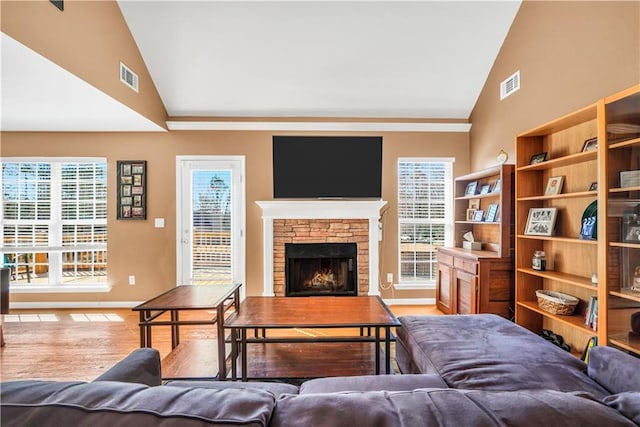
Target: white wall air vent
(128, 77)
(510, 85)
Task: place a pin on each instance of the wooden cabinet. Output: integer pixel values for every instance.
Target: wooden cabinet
(472, 282)
(480, 281)
(619, 126)
(585, 260)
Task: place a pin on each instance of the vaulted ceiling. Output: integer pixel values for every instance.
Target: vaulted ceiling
(355, 59)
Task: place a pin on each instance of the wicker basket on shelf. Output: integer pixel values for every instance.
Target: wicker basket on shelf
(556, 302)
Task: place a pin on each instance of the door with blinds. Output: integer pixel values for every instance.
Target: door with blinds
(211, 217)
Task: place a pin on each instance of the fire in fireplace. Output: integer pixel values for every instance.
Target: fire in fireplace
(321, 269)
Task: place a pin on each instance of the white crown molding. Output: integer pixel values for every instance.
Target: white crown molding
(320, 126)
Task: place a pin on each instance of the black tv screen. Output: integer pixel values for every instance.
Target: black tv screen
(327, 167)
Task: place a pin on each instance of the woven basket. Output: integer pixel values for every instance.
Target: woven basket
(556, 302)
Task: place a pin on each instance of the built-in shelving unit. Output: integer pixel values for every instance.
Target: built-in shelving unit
(622, 255)
(590, 267)
(480, 280)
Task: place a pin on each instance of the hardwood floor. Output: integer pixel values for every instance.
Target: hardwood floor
(78, 345)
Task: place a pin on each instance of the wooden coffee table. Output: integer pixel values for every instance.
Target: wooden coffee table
(265, 313)
(218, 298)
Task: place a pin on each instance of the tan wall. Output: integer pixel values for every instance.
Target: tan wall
(136, 247)
(570, 54)
(89, 39)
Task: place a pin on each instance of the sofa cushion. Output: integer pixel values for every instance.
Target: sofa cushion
(488, 352)
(275, 388)
(614, 370)
(444, 407)
(106, 403)
(372, 383)
(141, 366)
(627, 403)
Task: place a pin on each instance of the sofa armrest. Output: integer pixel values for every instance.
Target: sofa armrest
(140, 366)
(614, 370)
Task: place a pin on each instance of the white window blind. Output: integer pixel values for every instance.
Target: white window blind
(211, 248)
(54, 221)
(425, 191)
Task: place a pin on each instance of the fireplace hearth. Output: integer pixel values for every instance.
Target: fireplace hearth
(316, 269)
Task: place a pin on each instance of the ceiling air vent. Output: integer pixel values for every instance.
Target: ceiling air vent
(510, 85)
(128, 77)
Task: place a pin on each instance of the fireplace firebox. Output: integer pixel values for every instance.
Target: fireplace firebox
(316, 269)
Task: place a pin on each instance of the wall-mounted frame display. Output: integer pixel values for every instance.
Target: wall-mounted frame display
(132, 191)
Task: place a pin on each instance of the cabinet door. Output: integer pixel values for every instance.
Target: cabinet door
(466, 289)
(444, 288)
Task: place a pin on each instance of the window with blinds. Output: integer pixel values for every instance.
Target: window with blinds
(54, 221)
(211, 243)
(425, 192)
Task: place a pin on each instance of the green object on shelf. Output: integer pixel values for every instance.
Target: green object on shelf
(589, 227)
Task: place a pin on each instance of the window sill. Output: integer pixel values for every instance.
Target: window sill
(414, 286)
(58, 289)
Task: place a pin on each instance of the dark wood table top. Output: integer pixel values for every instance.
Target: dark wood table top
(312, 312)
(189, 297)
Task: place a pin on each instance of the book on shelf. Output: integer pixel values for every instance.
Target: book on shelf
(591, 313)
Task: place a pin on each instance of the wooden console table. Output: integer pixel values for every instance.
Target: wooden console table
(220, 298)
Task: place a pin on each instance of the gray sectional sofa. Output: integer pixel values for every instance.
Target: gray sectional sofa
(452, 378)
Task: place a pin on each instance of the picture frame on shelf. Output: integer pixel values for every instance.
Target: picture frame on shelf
(593, 186)
(541, 221)
(590, 144)
(630, 270)
(478, 215)
(474, 204)
(629, 178)
(132, 196)
(630, 228)
(471, 188)
(470, 213)
(538, 158)
(492, 212)
(485, 189)
(496, 186)
(554, 185)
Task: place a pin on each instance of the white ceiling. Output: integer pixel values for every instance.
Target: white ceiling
(384, 59)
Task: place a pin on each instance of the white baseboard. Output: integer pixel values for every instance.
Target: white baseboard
(410, 301)
(73, 304)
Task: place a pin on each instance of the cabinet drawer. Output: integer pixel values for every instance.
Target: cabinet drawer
(466, 265)
(445, 259)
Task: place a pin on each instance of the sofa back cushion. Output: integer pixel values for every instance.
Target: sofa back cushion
(614, 370)
(488, 352)
(106, 403)
(444, 407)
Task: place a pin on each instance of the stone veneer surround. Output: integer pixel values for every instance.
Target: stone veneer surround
(321, 221)
(320, 231)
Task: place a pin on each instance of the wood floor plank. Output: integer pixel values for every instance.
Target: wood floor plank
(79, 345)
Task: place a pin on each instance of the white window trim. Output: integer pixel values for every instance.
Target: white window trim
(448, 238)
(88, 287)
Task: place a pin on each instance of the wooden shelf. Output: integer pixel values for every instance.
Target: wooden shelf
(624, 144)
(480, 196)
(570, 279)
(571, 159)
(560, 196)
(624, 245)
(576, 320)
(478, 222)
(624, 189)
(628, 342)
(626, 294)
(559, 239)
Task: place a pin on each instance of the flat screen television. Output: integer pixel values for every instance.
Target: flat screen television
(327, 167)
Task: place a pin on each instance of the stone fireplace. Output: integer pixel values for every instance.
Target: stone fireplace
(323, 222)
